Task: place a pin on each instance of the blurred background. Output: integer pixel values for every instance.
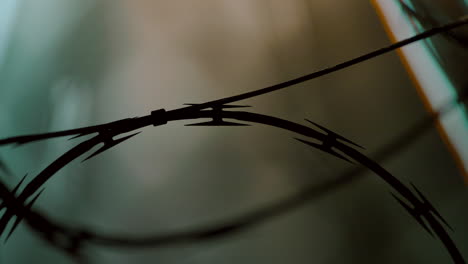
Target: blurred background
(68, 63)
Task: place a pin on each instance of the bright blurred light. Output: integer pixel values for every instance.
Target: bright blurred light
(430, 78)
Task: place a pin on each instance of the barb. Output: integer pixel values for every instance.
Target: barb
(217, 116)
(109, 144)
(18, 218)
(430, 208)
(2, 205)
(326, 146)
(330, 142)
(36, 183)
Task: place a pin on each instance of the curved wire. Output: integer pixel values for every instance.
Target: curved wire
(77, 237)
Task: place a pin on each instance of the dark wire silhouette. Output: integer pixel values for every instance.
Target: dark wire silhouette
(72, 240)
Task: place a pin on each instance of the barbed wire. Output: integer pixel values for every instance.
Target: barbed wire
(72, 240)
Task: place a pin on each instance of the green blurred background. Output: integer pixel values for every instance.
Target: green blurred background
(69, 63)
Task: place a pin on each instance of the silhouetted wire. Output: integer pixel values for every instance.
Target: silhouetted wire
(93, 129)
(431, 32)
(108, 131)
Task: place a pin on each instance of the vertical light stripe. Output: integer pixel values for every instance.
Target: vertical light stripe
(430, 79)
